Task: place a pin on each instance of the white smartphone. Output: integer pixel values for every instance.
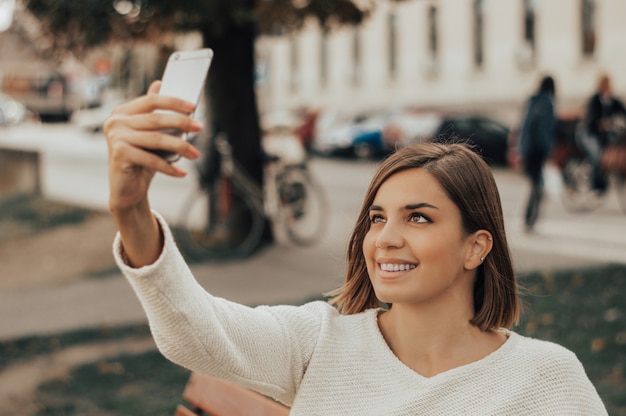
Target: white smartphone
(184, 76)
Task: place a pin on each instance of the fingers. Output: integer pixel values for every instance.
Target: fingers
(120, 136)
(157, 140)
(154, 88)
(146, 130)
(124, 156)
(152, 102)
(161, 121)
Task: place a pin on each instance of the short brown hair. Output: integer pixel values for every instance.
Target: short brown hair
(469, 183)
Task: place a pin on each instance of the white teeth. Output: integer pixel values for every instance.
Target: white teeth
(396, 267)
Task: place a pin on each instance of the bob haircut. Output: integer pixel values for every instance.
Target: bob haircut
(469, 183)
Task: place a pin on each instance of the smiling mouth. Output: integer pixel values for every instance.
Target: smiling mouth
(389, 267)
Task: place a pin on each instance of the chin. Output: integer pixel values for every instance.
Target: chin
(389, 298)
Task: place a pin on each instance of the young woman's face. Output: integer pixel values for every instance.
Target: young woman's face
(416, 248)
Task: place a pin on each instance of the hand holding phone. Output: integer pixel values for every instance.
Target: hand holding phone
(184, 77)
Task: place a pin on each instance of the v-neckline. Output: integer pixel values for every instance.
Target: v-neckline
(494, 355)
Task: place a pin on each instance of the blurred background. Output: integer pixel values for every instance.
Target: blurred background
(349, 82)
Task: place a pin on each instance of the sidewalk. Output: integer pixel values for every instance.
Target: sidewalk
(57, 298)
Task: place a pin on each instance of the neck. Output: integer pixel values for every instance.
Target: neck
(431, 342)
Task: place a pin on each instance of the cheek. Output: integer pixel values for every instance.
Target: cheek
(441, 251)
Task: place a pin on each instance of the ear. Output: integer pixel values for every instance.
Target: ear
(480, 245)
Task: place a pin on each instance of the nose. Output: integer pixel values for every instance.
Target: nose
(389, 236)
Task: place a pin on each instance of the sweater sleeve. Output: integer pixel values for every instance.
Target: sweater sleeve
(265, 348)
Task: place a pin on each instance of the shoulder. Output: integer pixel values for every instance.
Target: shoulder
(313, 312)
(594, 100)
(618, 103)
(546, 99)
(541, 102)
(319, 323)
(548, 358)
(534, 347)
(553, 372)
(320, 314)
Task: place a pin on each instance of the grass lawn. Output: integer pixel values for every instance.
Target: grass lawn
(584, 310)
(146, 384)
(26, 215)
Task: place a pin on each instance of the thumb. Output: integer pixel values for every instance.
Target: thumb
(155, 87)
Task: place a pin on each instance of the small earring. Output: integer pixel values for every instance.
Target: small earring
(489, 238)
(482, 259)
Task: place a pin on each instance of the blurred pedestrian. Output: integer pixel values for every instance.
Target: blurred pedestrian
(600, 113)
(537, 134)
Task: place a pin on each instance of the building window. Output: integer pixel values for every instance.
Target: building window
(529, 24)
(356, 55)
(392, 29)
(294, 62)
(324, 57)
(433, 39)
(588, 26)
(478, 33)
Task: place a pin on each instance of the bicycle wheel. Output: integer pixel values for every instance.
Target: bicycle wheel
(577, 194)
(301, 206)
(235, 231)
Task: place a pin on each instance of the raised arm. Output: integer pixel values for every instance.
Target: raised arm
(133, 129)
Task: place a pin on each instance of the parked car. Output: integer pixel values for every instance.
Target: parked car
(368, 144)
(338, 133)
(489, 136)
(409, 125)
(370, 135)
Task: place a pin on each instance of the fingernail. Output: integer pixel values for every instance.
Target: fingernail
(193, 153)
(189, 107)
(196, 125)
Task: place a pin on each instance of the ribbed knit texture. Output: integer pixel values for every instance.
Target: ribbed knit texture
(322, 363)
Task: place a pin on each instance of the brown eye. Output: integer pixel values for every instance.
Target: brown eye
(418, 218)
(376, 219)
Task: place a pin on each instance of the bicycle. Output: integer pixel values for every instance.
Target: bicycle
(578, 194)
(228, 213)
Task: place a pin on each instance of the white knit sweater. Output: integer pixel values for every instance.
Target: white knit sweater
(322, 363)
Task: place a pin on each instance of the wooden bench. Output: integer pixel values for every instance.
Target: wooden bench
(215, 397)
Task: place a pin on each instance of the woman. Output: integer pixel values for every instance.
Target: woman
(429, 244)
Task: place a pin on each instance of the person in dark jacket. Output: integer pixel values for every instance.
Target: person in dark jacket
(601, 110)
(536, 141)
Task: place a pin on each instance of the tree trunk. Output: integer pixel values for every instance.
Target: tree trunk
(231, 99)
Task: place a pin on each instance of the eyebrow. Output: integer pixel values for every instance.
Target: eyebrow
(408, 207)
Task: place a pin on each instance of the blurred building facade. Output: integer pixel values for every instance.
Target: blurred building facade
(483, 55)
(56, 85)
